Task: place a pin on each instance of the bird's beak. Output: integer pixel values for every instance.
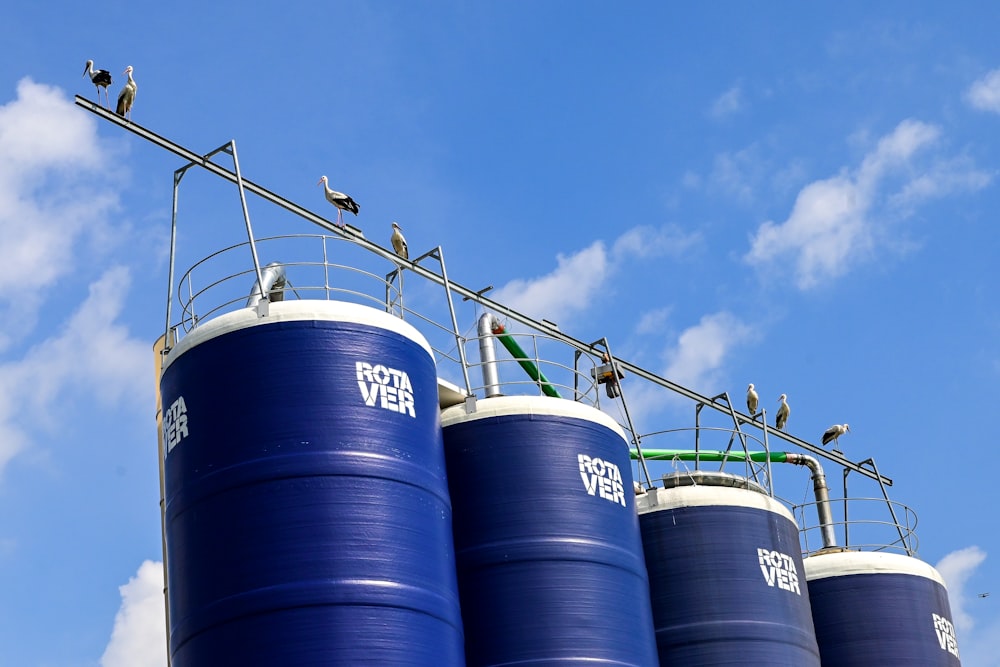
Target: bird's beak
(319, 181)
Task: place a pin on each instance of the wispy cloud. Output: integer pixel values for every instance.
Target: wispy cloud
(696, 358)
(56, 196)
(567, 289)
(53, 191)
(701, 350)
(978, 643)
(984, 93)
(647, 241)
(93, 356)
(728, 103)
(653, 320)
(139, 635)
(956, 568)
(835, 222)
(572, 286)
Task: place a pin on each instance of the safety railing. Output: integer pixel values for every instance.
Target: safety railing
(706, 448)
(316, 266)
(223, 281)
(865, 524)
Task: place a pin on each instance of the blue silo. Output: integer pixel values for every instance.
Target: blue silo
(880, 609)
(550, 564)
(725, 574)
(307, 512)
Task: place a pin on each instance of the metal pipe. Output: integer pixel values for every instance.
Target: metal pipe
(165, 342)
(822, 493)
(820, 489)
(531, 369)
(246, 219)
(273, 281)
(488, 355)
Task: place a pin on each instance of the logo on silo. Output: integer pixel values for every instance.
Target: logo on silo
(385, 387)
(779, 570)
(175, 423)
(602, 478)
(945, 634)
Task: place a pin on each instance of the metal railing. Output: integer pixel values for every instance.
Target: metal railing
(874, 524)
(215, 284)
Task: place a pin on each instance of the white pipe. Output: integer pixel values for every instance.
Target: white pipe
(821, 492)
(488, 355)
(273, 277)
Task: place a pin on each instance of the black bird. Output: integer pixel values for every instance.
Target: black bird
(833, 434)
(340, 200)
(127, 97)
(101, 78)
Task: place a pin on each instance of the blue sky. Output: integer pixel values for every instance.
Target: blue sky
(802, 197)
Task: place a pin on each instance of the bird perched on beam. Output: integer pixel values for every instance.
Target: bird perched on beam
(781, 418)
(833, 433)
(340, 200)
(126, 98)
(101, 78)
(752, 400)
(399, 242)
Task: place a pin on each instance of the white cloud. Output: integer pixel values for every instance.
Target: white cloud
(956, 568)
(702, 349)
(573, 285)
(93, 356)
(978, 645)
(984, 93)
(728, 103)
(653, 321)
(569, 288)
(53, 193)
(835, 221)
(738, 173)
(646, 241)
(139, 635)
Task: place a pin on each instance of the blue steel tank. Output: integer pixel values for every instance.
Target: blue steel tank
(725, 574)
(550, 565)
(307, 516)
(880, 609)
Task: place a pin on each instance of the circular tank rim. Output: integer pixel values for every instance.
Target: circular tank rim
(502, 406)
(846, 563)
(296, 311)
(704, 496)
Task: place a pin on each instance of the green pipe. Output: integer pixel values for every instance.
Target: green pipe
(521, 358)
(691, 455)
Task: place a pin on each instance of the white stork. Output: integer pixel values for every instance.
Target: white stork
(340, 200)
(126, 98)
(398, 242)
(833, 433)
(752, 400)
(781, 418)
(101, 78)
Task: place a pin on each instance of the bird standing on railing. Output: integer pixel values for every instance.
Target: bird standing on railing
(340, 200)
(833, 433)
(101, 78)
(752, 400)
(781, 418)
(126, 98)
(399, 242)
